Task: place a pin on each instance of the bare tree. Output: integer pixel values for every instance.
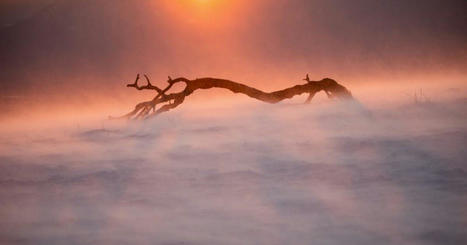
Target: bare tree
(148, 109)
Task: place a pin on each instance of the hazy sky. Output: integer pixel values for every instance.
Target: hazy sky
(59, 42)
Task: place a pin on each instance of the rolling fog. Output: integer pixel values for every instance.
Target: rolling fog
(246, 173)
(222, 168)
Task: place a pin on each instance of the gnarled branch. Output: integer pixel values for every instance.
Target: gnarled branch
(147, 109)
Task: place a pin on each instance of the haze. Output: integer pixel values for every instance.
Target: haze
(222, 168)
(66, 48)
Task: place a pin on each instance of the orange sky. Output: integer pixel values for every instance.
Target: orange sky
(82, 50)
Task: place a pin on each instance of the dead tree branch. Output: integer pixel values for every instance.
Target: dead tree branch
(148, 109)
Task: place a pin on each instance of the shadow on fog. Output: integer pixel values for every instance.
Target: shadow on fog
(268, 174)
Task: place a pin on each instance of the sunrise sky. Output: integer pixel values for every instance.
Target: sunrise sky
(49, 47)
(382, 165)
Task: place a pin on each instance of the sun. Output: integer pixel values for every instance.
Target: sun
(194, 4)
(206, 14)
(200, 9)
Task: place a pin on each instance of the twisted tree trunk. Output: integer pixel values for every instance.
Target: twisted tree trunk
(147, 109)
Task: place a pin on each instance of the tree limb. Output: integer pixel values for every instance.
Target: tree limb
(147, 109)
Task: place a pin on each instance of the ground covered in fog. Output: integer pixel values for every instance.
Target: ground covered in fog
(257, 174)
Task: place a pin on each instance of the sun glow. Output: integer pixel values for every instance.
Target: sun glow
(207, 13)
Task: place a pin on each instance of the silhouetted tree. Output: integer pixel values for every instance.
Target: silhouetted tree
(148, 109)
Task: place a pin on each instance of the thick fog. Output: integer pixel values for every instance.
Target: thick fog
(250, 173)
(223, 168)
